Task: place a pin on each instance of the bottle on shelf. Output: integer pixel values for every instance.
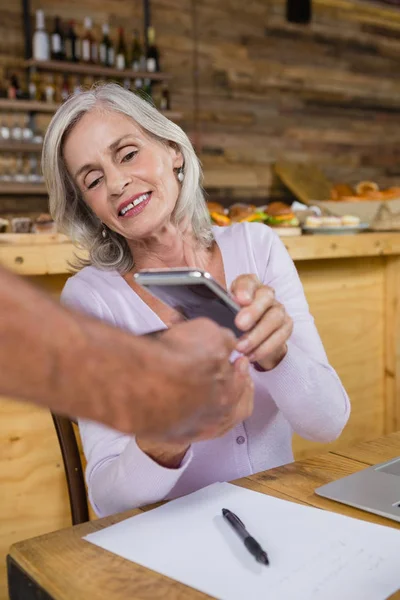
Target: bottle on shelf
(27, 129)
(87, 41)
(8, 167)
(120, 56)
(33, 85)
(37, 136)
(137, 57)
(16, 129)
(147, 92)
(72, 44)
(34, 175)
(165, 100)
(105, 45)
(138, 86)
(12, 88)
(40, 41)
(49, 89)
(57, 41)
(5, 132)
(152, 54)
(19, 175)
(3, 177)
(58, 81)
(111, 55)
(94, 50)
(76, 85)
(65, 91)
(3, 86)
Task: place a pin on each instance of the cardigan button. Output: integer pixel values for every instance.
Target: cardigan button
(240, 440)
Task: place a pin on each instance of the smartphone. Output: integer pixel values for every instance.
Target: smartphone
(192, 292)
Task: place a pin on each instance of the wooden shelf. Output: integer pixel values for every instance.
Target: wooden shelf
(97, 70)
(51, 107)
(22, 189)
(20, 147)
(27, 106)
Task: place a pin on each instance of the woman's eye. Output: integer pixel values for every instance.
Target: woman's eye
(129, 156)
(93, 183)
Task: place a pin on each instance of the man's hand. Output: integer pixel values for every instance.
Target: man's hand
(177, 388)
(201, 395)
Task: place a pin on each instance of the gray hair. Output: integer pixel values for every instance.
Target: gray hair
(67, 207)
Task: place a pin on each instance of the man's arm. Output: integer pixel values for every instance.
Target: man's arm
(179, 386)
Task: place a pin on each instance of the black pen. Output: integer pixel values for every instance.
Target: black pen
(251, 544)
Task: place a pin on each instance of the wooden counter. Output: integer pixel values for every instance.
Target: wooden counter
(28, 258)
(352, 284)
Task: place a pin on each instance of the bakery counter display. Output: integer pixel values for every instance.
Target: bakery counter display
(364, 191)
(42, 223)
(278, 215)
(330, 225)
(375, 204)
(286, 220)
(377, 207)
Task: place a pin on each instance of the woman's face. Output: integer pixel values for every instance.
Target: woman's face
(126, 177)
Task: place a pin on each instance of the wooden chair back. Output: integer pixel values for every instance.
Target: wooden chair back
(73, 469)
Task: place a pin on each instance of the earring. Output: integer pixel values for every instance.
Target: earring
(181, 175)
(104, 233)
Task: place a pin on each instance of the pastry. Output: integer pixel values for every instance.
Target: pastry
(313, 222)
(350, 221)
(340, 190)
(4, 223)
(21, 225)
(44, 224)
(364, 188)
(331, 221)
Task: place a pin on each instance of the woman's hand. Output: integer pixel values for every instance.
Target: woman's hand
(211, 394)
(266, 324)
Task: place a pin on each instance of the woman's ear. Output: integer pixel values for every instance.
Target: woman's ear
(176, 155)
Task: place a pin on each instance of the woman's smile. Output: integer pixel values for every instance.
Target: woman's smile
(134, 206)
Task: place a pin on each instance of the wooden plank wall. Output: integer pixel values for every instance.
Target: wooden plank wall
(254, 88)
(328, 92)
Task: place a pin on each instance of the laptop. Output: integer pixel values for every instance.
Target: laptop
(375, 489)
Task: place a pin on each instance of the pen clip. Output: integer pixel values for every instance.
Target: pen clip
(233, 517)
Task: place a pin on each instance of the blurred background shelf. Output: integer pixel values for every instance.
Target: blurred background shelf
(51, 107)
(22, 189)
(27, 106)
(61, 66)
(20, 147)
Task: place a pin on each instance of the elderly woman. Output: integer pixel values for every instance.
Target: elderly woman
(125, 183)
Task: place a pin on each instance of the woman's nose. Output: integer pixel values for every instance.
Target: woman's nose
(117, 180)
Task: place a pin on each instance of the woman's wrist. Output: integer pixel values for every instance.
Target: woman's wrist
(166, 455)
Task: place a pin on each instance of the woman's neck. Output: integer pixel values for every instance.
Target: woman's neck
(169, 248)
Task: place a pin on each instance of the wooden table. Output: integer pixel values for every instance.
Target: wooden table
(62, 566)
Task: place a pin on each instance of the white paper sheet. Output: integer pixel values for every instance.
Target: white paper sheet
(314, 554)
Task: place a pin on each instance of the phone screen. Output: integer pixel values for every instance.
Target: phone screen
(197, 300)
